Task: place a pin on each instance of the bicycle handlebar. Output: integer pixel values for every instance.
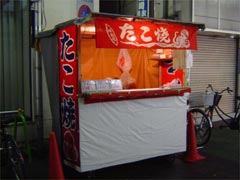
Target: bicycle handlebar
(229, 90)
(218, 92)
(209, 86)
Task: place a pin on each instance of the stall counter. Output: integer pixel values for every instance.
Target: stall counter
(128, 94)
(129, 130)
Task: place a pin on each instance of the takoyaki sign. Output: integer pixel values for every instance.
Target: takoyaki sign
(68, 89)
(144, 34)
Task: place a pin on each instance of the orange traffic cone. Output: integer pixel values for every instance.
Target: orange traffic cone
(55, 170)
(191, 154)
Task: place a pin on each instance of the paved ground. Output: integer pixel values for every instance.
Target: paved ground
(222, 162)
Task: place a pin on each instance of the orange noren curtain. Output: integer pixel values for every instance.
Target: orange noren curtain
(100, 63)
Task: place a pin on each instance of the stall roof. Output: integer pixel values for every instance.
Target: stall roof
(91, 16)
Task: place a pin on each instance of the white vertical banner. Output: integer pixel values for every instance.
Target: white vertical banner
(85, 7)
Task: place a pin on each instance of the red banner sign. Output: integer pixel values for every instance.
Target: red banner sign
(68, 88)
(144, 34)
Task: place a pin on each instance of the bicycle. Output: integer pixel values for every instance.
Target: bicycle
(202, 107)
(202, 124)
(230, 121)
(11, 156)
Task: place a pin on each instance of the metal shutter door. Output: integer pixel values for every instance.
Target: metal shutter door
(215, 63)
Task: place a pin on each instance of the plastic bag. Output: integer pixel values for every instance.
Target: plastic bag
(124, 62)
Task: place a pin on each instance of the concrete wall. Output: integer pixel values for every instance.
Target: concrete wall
(183, 9)
(58, 11)
(218, 14)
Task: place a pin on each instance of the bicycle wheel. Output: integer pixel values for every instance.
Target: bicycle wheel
(202, 126)
(16, 160)
(234, 124)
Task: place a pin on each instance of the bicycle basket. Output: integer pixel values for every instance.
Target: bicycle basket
(208, 99)
(200, 99)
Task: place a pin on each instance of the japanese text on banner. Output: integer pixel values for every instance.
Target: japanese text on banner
(138, 34)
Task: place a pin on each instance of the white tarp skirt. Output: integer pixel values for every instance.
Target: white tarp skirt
(118, 132)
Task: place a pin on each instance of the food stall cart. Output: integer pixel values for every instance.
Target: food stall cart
(114, 90)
